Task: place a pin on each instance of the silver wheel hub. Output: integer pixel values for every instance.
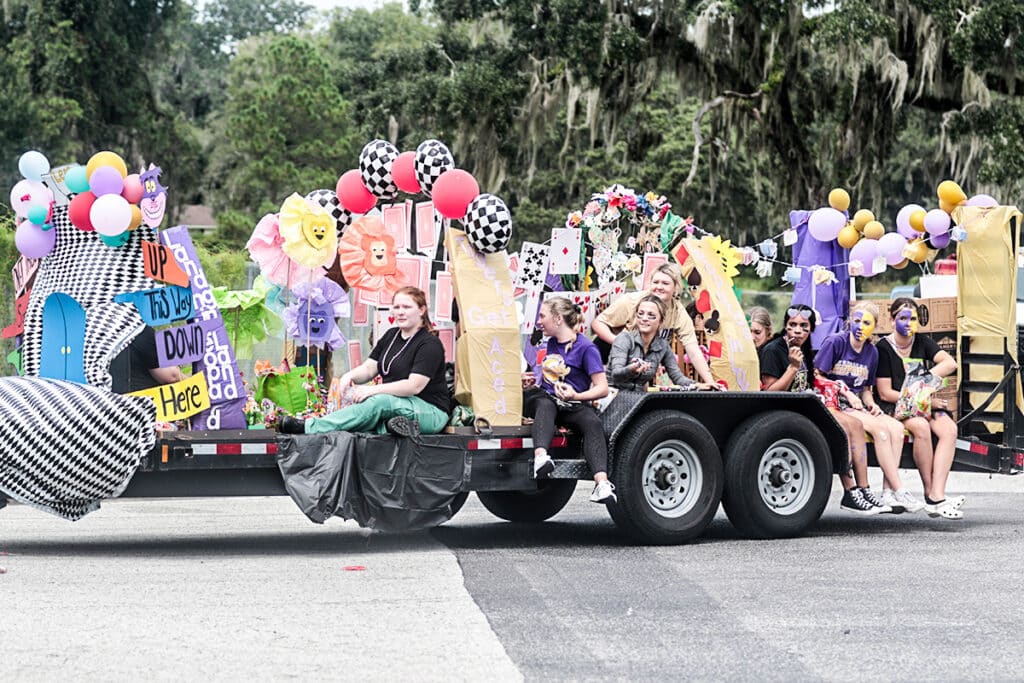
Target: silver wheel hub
(672, 479)
(785, 476)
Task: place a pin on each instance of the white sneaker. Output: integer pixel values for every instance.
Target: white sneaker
(889, 500)
(907, 500)
(543, 466)
(604, 492)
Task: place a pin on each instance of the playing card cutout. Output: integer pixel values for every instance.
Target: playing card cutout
(355, 353)
(651, 263)
(533, 265)
(360, 312)
(383, 321)
(443, 296)
(447, 337)
(428, 228)
(565, 251)
(396, 224)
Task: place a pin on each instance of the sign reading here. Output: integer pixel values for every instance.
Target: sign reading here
(179, 400)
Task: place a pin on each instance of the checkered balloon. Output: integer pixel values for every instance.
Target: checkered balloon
(488, 223)
(328, 200)
(375, 168)
(432, 159)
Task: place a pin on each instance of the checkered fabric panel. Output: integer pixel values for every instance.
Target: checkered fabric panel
(375, 167)
(488, 224)
(64, 446)
(328, 200)
(91, 273)
(432, 159)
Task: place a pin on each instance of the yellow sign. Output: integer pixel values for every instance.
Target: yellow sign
(732, 351)
(483, 285)
(179, 400)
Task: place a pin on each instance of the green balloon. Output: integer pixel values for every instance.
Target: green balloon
(116, 240)
(77, 180)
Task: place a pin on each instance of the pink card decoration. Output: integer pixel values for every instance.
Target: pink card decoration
(396, 224)
(355, 353)
(360, 312)
(427, 227)
(383, 322)
(443, 297)
(447, 337)
(651, 263)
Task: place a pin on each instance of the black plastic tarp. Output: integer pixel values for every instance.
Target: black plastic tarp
(381, 481)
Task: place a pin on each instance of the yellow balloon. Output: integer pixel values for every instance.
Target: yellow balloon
(848, 237)
(916, 251)
(951, 193)
(106, 159)
(839, 199)
(136, 217)
(916, 220)
(862, 218)
(874, 230)
(948, 206)
(902, 264)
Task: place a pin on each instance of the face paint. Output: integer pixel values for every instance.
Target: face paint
(862, 325)
(906, 322)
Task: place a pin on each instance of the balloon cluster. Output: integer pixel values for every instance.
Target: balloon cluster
(32, 202)
(917, 230)
(430, 170)
(106, 198)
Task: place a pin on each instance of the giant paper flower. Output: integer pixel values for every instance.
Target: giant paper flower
(309, 232)
(265, 246)
(368, 257)
(311, 318)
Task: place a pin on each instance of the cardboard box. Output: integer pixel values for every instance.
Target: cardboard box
(934, 315)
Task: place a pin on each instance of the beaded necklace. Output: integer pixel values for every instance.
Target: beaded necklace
(384, 365)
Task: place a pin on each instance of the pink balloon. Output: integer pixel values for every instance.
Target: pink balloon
(865, 251)
(825, 224)
(132, 189)
(982, 200)
(903, 221)
(936, 222)
(34, 242)
(891, 246)
(106, 180)
(403, 171)
(453, 191)
(352, 192)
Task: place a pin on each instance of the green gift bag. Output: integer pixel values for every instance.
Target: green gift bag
(288, 391)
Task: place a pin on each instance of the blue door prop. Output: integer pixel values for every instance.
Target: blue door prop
(62, 354)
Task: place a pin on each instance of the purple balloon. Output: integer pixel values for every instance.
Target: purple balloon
(106, 180)
(865, 251)
(936, 222)
(891, 246)
(34, 242)
(825, 224)
(940, 241)
(982, 200)
(903, 221)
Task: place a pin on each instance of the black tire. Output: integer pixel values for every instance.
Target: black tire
(536, 505)
(778, 475)
(668, 476)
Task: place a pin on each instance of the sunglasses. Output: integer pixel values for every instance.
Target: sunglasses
(804, 313)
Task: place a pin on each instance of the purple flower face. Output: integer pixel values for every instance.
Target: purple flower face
(317, 325)
(862, 325)
(906, 322)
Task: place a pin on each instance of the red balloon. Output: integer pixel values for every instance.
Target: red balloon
(403, 172)
(453, 191)
(78, 211)
(352, 192)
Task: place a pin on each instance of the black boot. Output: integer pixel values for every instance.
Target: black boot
(403, 426)
(286, 424)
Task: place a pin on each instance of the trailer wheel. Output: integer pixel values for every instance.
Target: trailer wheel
(778, 475)
(668, 477)
(458, 501)
(535, 505)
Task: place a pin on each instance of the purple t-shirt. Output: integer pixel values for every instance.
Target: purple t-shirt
(837, 359)
(582, 360)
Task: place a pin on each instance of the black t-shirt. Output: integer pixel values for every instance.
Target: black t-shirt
(774, 359)
(894, 366)
(129, 371)
(421, 354)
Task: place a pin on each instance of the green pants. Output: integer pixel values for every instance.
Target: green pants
(371, 414)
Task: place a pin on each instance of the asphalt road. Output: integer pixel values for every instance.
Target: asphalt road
(228, 589)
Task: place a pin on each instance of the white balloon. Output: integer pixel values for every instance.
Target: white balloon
(110, 214)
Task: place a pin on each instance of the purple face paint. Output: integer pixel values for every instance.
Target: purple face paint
(862, 325)
(906, 322)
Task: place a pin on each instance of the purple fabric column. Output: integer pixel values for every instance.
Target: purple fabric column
(831, 301)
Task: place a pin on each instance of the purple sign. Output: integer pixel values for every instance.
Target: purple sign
(832, 301)
(180, 345)
(227, 393)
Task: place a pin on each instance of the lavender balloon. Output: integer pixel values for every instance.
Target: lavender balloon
(865, 251)
(825, 224)
(106, 180)
(936, 222)
(940, 241)
(34, 242)
(982, 200)
(903, 221)
(891, 246)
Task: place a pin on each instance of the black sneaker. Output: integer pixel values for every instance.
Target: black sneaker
(403, 426)
(874, 500)
(853, 500)
(286, 424)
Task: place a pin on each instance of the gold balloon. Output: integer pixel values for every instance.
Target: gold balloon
(948, 206)
(862, 218)
(951, 193)
(916, 251)
(136, 217)
(106, 159)
(848, 237)
(902, 264)
(874, 230)
(839, 199)
(916, 219)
